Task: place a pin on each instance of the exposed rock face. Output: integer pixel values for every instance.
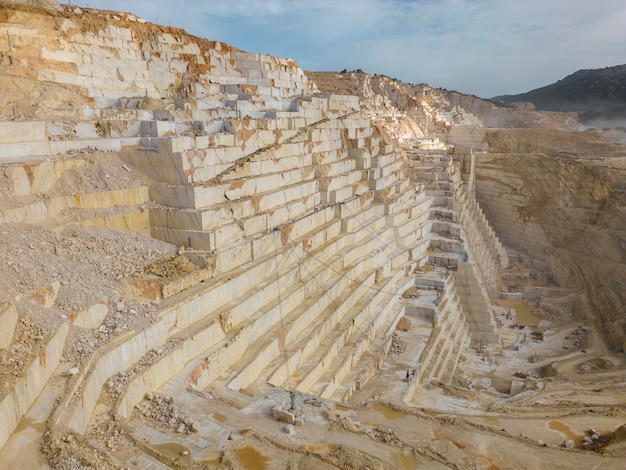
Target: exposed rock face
(184, 219)
(442, 112)
(570, 217)
(91, 60)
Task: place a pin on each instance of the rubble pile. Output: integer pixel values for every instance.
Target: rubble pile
(165, 412)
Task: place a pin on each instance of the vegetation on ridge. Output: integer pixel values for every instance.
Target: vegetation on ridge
(589, 92)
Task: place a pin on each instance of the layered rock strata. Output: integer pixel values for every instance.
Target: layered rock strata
(575, 237)
(298, 207)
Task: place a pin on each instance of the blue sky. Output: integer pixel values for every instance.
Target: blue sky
(482, 47)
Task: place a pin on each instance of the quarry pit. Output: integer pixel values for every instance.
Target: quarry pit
(211, 258)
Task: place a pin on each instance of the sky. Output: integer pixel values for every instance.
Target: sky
(480, 47)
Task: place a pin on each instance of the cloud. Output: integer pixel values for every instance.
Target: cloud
(484, 47)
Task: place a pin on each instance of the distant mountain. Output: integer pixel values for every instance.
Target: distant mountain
(592, 93)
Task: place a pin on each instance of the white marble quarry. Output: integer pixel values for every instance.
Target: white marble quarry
(482, 244)
(303, 204)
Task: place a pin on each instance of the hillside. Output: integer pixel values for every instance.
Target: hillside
(589, 92)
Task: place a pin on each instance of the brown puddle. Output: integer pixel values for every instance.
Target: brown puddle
(407, 462)
(523, 312)
(492, 421)
(342, 408)
(212, 462)
(27, 422)
(251, 458)
(174, 451)
(322, 448)
(388, 413)
(566, 431)
(218, 417)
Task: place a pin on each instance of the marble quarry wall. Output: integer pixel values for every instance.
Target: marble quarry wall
(575, 237)
(302, 208)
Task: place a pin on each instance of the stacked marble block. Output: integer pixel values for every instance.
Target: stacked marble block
(323, 282)
(124, 64)
(267, 171)
(119, 61)
(258, 167)
(476, 304)
(450, 336)
(450, 331)
(19, 393)
(446, 112)
(482, 244)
